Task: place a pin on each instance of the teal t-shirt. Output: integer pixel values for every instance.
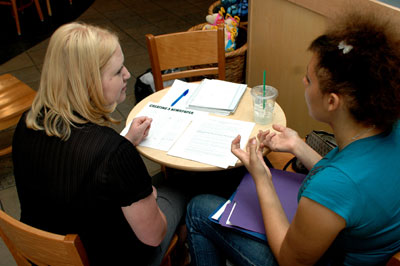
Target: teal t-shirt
(361, 183)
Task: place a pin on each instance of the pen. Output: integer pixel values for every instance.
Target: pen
(180, 97)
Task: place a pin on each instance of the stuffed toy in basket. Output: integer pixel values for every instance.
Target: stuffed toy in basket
(230, 24)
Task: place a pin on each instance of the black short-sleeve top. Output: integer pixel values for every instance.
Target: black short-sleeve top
(79, 186)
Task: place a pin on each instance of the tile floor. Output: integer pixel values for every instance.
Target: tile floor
(131, 19)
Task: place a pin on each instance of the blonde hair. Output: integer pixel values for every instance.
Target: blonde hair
(70, 90)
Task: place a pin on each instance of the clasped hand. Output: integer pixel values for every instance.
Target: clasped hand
(252, 157)
(283, 140)
(139, 129)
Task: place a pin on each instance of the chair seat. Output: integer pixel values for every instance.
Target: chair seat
(15, 98)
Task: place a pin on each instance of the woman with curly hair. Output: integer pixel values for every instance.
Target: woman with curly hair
(348, 205)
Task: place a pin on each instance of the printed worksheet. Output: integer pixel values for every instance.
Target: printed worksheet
(208, 140)
(167, 125)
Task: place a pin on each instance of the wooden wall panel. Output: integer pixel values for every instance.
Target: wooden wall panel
(279, 33)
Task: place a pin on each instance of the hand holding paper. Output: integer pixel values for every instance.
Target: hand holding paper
(168, 124)
(139, 129)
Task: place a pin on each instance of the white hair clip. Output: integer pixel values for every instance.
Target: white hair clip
(345, 47)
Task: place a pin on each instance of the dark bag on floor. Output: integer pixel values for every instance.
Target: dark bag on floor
(144, 85)
(321, 141)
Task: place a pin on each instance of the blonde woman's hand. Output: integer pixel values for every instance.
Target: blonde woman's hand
(139, 129)
(252, 158)
(284, 140)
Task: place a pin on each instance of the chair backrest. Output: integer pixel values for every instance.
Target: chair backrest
(185, 49)
(28, 244)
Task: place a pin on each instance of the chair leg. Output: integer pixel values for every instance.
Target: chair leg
(39, 10)
(15, 12)
(167, 261)
(48, 7)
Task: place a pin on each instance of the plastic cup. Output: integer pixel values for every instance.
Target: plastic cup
(263, 106)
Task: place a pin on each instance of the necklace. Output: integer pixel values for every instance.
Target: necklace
(363, 132)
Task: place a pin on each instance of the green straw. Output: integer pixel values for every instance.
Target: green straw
(264, 90)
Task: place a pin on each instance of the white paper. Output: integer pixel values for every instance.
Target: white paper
(167, 125)
(175, 91)
(228, 221)
(221, 210)
(208, 140)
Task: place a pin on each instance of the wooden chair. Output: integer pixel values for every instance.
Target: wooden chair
(15, 98)
(167, 260)
(186, 49)
(394, 260)
(13, 4)
(280, 159)
(30, 245)
(49, 6)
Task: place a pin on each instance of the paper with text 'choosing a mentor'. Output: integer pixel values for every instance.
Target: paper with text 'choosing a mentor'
(193, 135)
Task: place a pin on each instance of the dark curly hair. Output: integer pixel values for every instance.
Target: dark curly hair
(367, 72)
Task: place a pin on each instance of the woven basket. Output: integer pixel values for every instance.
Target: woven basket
(211, 9)
(235, 61)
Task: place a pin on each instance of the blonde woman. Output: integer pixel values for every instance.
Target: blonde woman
(75, 174)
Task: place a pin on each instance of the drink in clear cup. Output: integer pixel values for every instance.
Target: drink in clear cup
(263, 106)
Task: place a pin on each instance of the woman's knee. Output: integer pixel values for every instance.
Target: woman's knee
(200, 208)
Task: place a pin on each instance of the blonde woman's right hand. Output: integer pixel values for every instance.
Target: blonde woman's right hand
(139, 129)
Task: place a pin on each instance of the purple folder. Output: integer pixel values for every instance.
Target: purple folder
(224, 218)
(247, 212)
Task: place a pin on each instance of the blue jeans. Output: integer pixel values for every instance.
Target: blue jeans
(212, 244)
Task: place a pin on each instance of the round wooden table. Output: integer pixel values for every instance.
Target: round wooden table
(244, 112)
